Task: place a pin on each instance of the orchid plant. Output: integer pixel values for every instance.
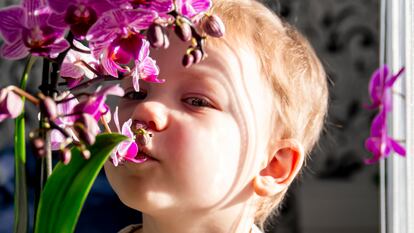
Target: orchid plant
(84, 44)
(379, 143)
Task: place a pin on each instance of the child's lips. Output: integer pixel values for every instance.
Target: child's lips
(144, 155)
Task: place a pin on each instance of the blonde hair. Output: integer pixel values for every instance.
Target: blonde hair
(290, 66)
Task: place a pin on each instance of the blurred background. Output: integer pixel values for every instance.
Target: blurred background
(337, 192)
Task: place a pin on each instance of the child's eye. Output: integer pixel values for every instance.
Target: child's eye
(197, 102)
(135, 95)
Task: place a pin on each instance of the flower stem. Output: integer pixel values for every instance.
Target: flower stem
(44, 164)
(105, 123)
(21, 210)
(23, 93)
(98, 79)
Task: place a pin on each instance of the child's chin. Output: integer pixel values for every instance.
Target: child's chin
(150, 205)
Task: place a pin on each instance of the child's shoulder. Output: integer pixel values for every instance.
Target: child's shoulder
(131, 229)
(136, 227)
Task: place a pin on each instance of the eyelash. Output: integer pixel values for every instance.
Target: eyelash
(197, 102)
(193, 101)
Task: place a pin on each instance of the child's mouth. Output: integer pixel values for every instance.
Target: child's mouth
(143, 155)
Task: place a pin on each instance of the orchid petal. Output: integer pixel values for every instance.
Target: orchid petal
(11, 105)
(109, 65)
(135, 81)
(144, 51)
(131, 151)
(116, 119)
(371, 144)
(66, 108)
(14, 51)
(57, 20)
(32, 5)
(11, 23)
(100, 6)
(162, 6)
(390, 82)
(58, 47)
(71, 70)
(114, 158)
(112, 90)
(191, 8)
(59, 6)
(376, 84)
(123, 147)
(378, 125)
(56, 139)
(126, 129)
(397, 147)
(105, 25)
(140, 19)
(148, 67)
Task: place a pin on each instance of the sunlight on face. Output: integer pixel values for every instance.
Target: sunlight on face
(213, 124)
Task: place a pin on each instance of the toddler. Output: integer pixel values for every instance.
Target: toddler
(229, 134)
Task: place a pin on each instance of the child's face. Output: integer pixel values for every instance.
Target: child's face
(213, 125)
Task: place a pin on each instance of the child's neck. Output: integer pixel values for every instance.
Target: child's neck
(237, 219)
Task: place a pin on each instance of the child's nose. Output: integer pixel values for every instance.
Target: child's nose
(154, 114)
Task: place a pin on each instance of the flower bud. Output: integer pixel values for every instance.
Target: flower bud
(183, 30)
(198, 55)
(11, 105)
(65, 155)
(39, 149)
(87, 128)
(188, 60)
(166, 42)
(49, 108)
(86, 154)
(213, 26)
(157, 37)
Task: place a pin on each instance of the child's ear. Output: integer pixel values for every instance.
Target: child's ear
(281, 168)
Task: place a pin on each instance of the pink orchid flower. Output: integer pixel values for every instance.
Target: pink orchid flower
(145, 67)
(379, 143)
(115, 38)
(73, 68)
(160, 6)
(380, 84)
(192, 8)
(65, 121)
(126, 150)
(11, 104)
(79, 15)
(25, 30)
(95, 104)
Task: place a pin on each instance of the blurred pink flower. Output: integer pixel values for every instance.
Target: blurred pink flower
(11, 104)
(25, 30)
(379, 143)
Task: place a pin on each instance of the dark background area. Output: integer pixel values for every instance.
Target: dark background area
(336, 192)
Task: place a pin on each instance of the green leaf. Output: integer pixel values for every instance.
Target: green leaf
(67, 188)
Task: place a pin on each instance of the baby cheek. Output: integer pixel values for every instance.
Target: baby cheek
(208, 161)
